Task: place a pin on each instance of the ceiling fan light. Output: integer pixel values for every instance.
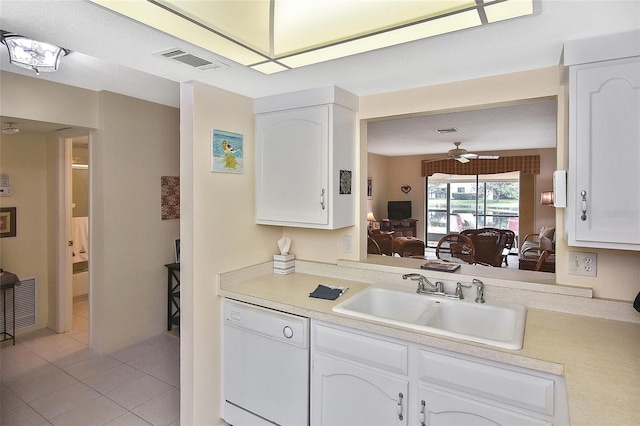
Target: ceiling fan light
(32, 54)
(10, 130)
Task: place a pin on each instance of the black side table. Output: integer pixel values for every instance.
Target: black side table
(8, 281)
(173, 295)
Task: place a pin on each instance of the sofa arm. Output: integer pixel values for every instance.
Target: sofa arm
(537, 249)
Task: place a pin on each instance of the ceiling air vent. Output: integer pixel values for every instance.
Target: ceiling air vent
(179, 55)
(449, 130)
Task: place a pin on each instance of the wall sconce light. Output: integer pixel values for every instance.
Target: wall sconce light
(546, 198)
(32, 54)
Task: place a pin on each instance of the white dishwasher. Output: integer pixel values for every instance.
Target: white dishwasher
(266, 366)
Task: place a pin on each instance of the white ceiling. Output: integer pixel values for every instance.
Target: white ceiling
(526, 126)
(113, 53)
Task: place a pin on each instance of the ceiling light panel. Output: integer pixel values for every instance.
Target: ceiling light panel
(302, 32)
(246, 21)
(386, 39)
(301, 24)
(177, 26)
(508, 9)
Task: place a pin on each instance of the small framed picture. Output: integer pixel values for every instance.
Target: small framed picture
(7, 222)
(176, 249)
(369, 188)
(345, 181)
(227, 153)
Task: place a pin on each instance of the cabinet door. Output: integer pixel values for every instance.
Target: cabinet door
(343, 394)
(292, 154)
(440, 408)
(604, 182)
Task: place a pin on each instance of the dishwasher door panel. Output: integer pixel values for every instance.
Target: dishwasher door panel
(266, 377)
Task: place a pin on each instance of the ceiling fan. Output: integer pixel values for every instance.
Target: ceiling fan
(463, 156)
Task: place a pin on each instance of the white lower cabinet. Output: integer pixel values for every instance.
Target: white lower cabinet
(437, 407)
(357, 380)
(351, 395)
(360, 378)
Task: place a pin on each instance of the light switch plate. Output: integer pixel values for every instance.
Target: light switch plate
(347, 243)
(582, 263)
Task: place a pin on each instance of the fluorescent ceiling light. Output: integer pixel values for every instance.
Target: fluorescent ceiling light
(275, 35)
(32, 54)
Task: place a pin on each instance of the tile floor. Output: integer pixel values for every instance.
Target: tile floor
(54, 379)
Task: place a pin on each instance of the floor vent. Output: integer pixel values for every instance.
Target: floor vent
(179, 55)
(25, 299)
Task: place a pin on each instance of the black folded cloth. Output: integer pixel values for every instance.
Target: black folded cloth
(324, 292)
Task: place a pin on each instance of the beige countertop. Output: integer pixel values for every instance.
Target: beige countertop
(599, 358)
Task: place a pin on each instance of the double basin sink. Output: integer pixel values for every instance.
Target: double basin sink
(500, 325)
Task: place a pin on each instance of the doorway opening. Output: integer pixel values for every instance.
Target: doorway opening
(80, 256)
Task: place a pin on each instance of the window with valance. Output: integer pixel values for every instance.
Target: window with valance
(528, 164)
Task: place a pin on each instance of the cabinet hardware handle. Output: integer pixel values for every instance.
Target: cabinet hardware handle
(583, 205)
(322, 199)
(423, 415)
(400, 397)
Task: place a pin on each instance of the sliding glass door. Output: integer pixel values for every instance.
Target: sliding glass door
(457, 202)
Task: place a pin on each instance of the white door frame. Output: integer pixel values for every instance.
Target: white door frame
(64, 287)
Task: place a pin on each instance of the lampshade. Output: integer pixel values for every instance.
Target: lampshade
(370, 217)
(546, 198)
(32, 54)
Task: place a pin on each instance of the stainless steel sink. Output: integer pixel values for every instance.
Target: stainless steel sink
(500, 325)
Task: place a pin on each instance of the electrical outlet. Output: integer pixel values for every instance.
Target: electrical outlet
(347, 243)
(581, 263)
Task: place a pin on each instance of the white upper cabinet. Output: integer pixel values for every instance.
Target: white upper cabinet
(305, 159)
(603, 201)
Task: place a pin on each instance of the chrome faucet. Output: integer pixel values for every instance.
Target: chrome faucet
(480, 293)
(459, 286)
(422, 280)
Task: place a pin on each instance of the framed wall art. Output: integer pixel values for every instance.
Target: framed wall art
(7, 222)
(226, 152)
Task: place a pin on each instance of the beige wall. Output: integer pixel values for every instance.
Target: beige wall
(40, 100)
(615, 267)
(80, 182)
(137, 142)
(24, 158)
(218, 234)
(379, 171)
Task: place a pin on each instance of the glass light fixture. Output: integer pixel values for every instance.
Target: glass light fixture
(32, 54)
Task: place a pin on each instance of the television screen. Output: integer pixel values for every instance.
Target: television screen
(399, 210)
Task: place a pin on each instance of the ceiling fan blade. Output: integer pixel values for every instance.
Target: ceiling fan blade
(463, 159)
(488, 157)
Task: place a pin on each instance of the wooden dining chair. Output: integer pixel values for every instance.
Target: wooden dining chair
(456, 248)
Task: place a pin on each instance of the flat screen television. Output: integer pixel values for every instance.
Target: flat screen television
(399, 210)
